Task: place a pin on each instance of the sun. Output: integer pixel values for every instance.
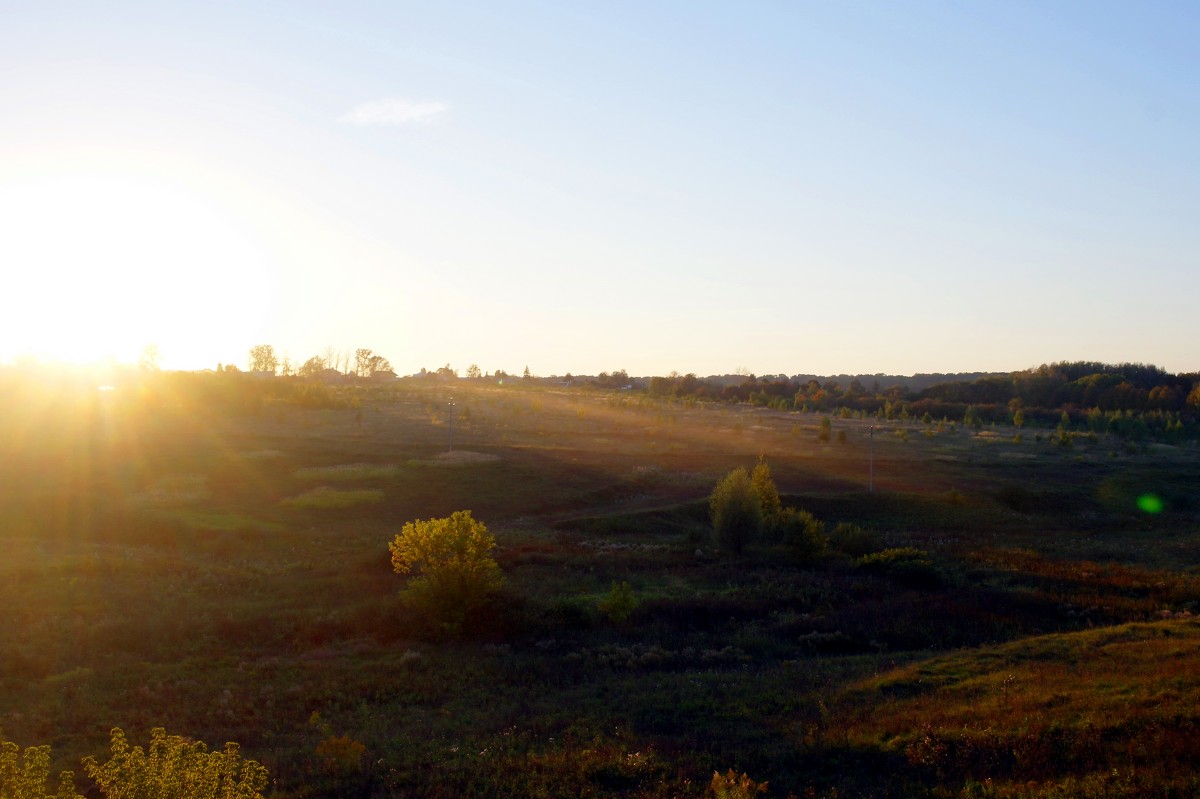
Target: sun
(100, 264)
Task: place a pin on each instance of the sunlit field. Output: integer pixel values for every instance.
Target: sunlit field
(209, 555)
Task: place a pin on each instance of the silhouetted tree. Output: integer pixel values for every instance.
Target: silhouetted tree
(148, 362)
(367, 363)
(312, 367)
(262, 358)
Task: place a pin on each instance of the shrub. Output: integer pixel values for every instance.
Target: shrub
(906, 565)
(619, 603)
(854, 540)
(886, 559)
(23, 776)
(340, 753)
(176, 768)
(802, 532)
(456, 570)
(736, 511)
(730, 786)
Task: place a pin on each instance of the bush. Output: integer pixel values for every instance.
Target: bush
(802, 532)
(24, 776)
(456, 571)
(731, 786)
(854, 540)
(176, 768)
(906, 565)
(736, 511)
(619, 603)
(888, 558)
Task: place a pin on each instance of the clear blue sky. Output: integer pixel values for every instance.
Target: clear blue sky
(779, 187)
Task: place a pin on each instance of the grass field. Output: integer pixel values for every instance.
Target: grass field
(228, 578)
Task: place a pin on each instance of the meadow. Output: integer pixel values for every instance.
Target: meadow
(1016, 618)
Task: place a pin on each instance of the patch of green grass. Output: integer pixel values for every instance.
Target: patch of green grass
(349, 472)
(326, 498)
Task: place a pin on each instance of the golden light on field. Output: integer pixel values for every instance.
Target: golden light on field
(100, 264)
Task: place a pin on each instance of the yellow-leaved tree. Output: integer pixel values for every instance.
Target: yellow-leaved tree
(23, 776)
(176, 768)
(452, 558)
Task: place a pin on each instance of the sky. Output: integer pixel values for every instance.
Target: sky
(767, 187)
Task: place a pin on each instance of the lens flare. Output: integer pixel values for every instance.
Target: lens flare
(1150, 503)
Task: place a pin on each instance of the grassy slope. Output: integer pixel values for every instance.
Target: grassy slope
(162, 577)
(1116, 706)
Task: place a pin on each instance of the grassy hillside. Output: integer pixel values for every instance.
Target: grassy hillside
(225, 575)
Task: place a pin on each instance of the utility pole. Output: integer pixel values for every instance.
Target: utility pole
(450, 413)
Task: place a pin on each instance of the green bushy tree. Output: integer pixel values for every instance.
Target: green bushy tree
(854, 540)
(456, 571)
(802, 532)
(736, 511)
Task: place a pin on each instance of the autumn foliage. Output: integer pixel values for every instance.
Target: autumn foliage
(453, 561)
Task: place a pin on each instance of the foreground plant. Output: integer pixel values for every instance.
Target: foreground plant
(731, 786)
(175, 768)
(23, 776)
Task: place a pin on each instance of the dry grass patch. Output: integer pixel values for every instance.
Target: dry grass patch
(1120, 697)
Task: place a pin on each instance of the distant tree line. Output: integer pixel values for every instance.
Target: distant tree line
(366, 363)
(1129, 399)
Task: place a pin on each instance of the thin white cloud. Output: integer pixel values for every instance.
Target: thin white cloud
(395, 111)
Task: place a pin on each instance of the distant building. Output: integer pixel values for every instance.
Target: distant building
(331, 376)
